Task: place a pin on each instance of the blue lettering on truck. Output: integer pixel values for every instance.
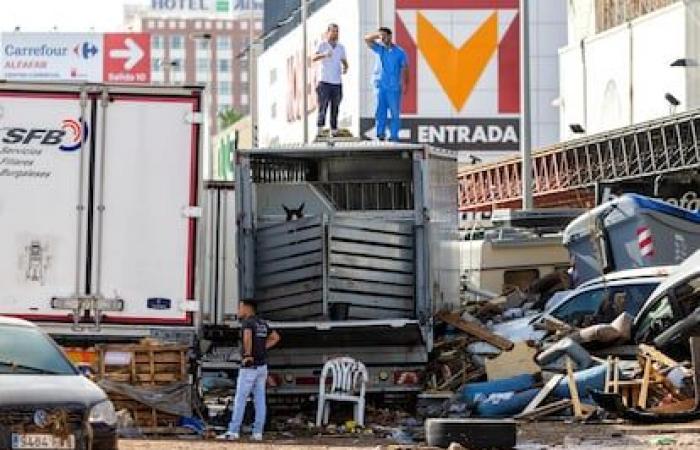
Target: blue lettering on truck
(69, 137)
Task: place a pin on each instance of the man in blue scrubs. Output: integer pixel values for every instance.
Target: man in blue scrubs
(390, 80)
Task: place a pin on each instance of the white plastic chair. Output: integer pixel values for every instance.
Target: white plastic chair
(346, 374)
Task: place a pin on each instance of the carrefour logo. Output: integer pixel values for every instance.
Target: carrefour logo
(85, 50)
(68, 137)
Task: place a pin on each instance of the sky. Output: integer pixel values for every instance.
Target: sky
(66, 15)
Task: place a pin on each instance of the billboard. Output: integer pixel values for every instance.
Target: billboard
(464, 64)
(91, 57)
(52, 56)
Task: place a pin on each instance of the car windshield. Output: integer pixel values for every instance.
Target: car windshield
(603, 303)
(25, 350)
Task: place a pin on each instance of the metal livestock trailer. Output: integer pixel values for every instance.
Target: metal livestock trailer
(361, 266)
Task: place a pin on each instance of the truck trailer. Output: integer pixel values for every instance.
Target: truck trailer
(100, 190)
(348, 249)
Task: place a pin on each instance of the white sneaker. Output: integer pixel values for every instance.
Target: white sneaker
(257, 437)
(228, 436)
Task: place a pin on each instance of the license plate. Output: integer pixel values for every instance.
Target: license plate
(21, 440)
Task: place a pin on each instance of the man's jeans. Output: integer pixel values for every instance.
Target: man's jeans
(251, 379)
(328, 95)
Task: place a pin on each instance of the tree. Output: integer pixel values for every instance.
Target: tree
(228, 118)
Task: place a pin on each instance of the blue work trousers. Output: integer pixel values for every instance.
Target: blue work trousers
(388, 101)
(250, 380)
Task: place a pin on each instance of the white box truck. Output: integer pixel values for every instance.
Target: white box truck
(99, 191)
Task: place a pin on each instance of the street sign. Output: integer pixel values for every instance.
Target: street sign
(127, 58)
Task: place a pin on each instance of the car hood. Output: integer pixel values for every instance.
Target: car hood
(27, 390)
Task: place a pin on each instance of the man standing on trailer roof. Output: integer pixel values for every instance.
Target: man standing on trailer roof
(390, 80)
(334, 65)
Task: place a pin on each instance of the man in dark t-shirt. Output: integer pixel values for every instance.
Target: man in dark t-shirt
(257, 338)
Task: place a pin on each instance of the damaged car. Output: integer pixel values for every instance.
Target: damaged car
(44, 401)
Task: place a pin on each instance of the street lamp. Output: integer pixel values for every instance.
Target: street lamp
(672, 101)
(576, 128)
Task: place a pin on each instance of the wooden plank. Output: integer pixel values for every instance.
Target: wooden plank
(675, 407)
(546, 410)
(372, 275)
(573, 389)
(290, 276)
(292, 301)
(272, 254)
(349, 234)
(372, 300)
(375, 225)
(644, 391)
(647, 350)
(544, 392)
(294, 262)
(367, 262)
(380, 251)
(339, 284)
(476, 330)
(287, 239)
(517, 361)
(616, 375)
(362, 313)
(288, 289)
(286, 227)
(608, 375)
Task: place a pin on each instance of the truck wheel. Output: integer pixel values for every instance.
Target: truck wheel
(471, 433)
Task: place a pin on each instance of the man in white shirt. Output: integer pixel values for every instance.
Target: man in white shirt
(333, 65)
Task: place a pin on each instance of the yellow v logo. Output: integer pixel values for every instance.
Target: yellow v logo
(458, 69)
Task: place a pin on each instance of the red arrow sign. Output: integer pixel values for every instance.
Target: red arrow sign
(127, 58)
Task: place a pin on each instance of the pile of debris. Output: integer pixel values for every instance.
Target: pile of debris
(564, 372)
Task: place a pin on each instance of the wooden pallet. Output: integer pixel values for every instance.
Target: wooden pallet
(142, 365)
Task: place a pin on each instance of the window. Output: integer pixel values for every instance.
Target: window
(157, 42)
(202, 44)
(520, 279)
(203, 64)
(177, 42)
(244, 99)
(25, 350)
(176, 65)
(229, 25)
(579, 309)
(207, 25)
(182, 24)
(172, 24)
(224, 88)
(224, 65)
(243, 25)
(156, 65)
(198, 25)
(244, 77)
(161, 24)
(219, 25)
(151, 24)
(656, 319)
(223, 43)
(258, 25)
(223, 107)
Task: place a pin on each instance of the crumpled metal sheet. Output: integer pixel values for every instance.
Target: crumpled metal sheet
(174, 398)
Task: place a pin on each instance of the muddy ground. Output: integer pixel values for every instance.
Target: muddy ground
(534, 436)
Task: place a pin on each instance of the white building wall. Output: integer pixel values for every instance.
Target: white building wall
(627, 73)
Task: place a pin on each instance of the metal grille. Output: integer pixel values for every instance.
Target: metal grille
(643, 150)
(369, 195)
(24, 416)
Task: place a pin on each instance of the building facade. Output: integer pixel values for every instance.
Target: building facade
(464, 70)
(202, 42)
(627, 62)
